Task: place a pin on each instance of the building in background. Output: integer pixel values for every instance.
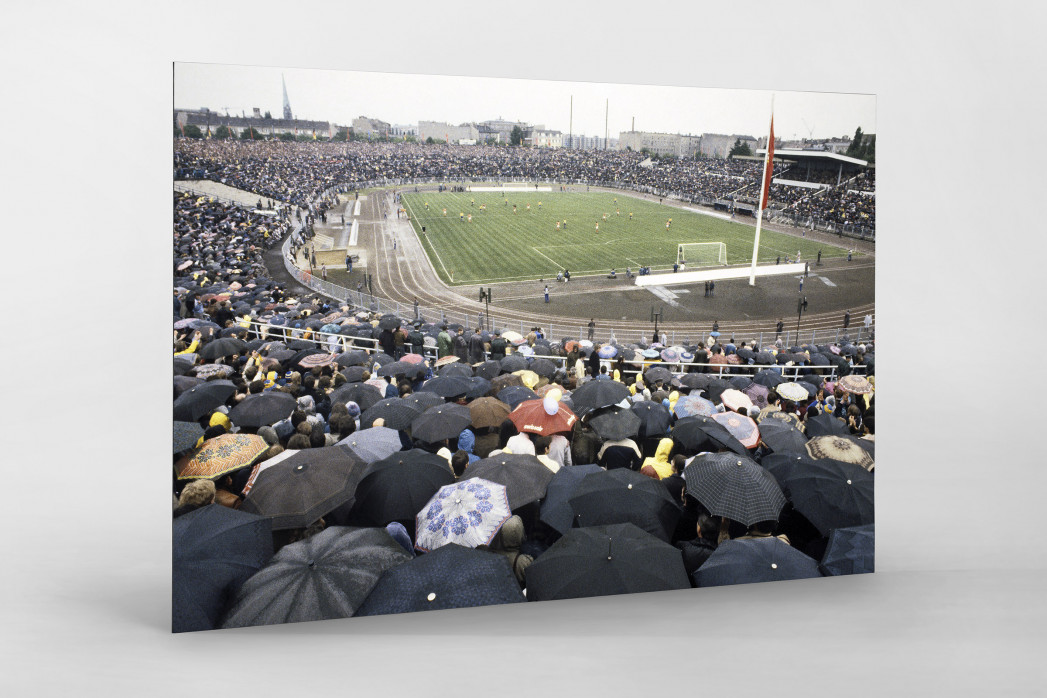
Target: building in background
(661, 144)
(465, 134)
(365, 127)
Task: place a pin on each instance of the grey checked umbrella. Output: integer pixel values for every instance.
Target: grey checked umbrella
(372, 444)
(735, 487)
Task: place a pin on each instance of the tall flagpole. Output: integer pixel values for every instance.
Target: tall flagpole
(764, 187)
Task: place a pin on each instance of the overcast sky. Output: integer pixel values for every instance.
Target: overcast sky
(404, 99)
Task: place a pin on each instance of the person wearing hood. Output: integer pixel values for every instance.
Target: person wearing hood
(507, 543)
(660, 462)
(466, 442)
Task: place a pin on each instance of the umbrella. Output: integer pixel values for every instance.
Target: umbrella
(199, 400)
(544, 368)
(768, 378)
(516, 394)
(740, 382)
(792, 391)
(830, 494)
(757, 394)
(514, 338)
(382, 359)
(362, 394)
(222, 455)
(444, 360)
(607, 351)
(440, 422)
(842, 448)
(354, 374)
(299, 490)
(533, 417)
(850, 551)
(734, 399)
(524, 476)
(215, 549)
(397, 488)
(655, 418)
(478, 387)
(513, 363)
(353, 358)
(446, 386)
(854, 384)
(469, 513)
(605, 560)
(413, 359)
(388, 322)
(185, 435)
(556, 510)
(782, 437)
(694, 381)
(487, 412)
(754, 560)
(734, 487)
(451, 576)
(183, 364)
(599, 393)
(715, 388)
(457, 369)
(315, 358)
(693, 405)
(325, 576)
(670, 355)
(423, 400)
(741, 427)
(615, 423)
(503, 381)
(225, 346)
(401, 368)
(397, 412)
(489, 369)
(623, 496)
(372, 444)
(528, 378)
(825, 425)
(701, 433)
(262, 409)
(657, 373)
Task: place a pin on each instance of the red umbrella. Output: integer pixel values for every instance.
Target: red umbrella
(533, 417)
(413, 359)
(741, 427)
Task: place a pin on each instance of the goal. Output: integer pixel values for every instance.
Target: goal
(701, 253)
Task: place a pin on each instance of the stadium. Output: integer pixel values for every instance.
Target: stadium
(363, 329)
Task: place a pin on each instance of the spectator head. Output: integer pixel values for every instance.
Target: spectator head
(298, 441)
(198, 493)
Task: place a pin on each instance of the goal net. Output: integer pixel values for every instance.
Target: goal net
(701, 253)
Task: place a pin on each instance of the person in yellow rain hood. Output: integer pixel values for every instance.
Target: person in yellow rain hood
(660, 462)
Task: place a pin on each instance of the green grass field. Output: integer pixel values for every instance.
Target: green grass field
(499, 245)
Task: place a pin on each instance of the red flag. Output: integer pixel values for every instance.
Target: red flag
(769, 167)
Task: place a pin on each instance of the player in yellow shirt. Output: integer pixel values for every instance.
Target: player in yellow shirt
(539, 205)
(461, 216)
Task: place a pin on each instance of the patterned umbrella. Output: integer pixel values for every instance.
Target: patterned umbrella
(755, 560)
(841, 448)
(208, 370)
(222, 455)
(691, 405)
(533, 417)
(757, 394)
(735, 487)
(607, 351)
(314, 360)
(451, 576)
(444, 360)
(469, 513)
(792, 391)
(856, 384)
(741, 427)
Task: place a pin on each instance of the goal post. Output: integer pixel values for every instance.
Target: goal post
(701, 254)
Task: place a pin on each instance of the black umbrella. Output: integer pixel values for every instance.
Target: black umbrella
(556, 510)
(183, 364)
(398, 487)
(621, 495)
(714, 388)
(353, 358)
(543, 367)
(362, 394)
(397, 413)
(402, 368)
(372, 444)
(615, 423)
(184, 383)
(478, 387)
(423, 400)
(657, 373)
(694, 381)
(605, 560)
(524, 476)
(215, 550)
(194, 403)
(850, 551)
(513, 362)
(751, 560)
(782, 436)
(599, 393)
(655, 418)
(489, 369)
(515, 394)
(262, 409)
(225, 346)
(354, 374)
(825, 425)
(768, 378)
(446, 386)
(440, 422)
(299, 490)
(389, 322)
(451, 576)
(185, 435)
(700, 433)
(829, 493)
(734, 487)
(740, 382)
(457, 369)
(382, 359)
(325, 576)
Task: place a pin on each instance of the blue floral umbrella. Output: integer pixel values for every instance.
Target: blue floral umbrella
(469, 513)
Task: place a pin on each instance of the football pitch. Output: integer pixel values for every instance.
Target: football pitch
(503, 244)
